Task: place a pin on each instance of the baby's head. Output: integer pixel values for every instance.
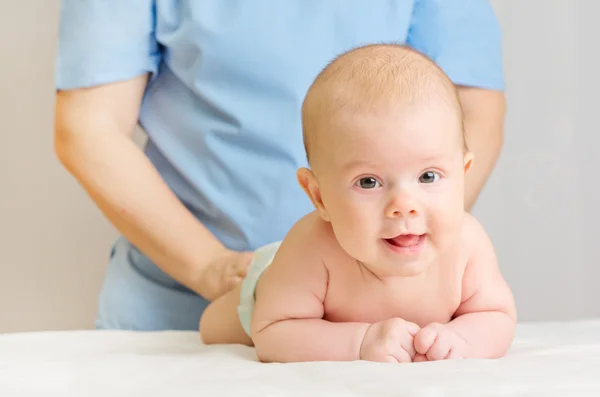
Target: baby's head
(384, 138)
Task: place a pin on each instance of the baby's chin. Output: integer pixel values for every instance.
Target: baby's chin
(407, 260)
(386, 267)
(407, 269)
(385, 262)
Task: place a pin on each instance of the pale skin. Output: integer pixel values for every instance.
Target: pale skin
(484, 111)
(343, 286)
(319, 304)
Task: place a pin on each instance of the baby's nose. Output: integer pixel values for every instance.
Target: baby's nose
(402, 205)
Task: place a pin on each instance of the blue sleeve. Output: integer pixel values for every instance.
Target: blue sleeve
(464, 39)
(102, 41)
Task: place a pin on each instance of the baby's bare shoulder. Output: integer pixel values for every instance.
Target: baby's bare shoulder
(297, 268)
(483, 286)
(479, 250)
(473, 232)
(310, 233)
(474, 240)
(307, 241)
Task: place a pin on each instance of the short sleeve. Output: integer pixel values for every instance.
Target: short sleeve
(103, 41)
(464, 39)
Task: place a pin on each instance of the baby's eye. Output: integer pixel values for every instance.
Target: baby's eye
(368, 183)
(429, 177)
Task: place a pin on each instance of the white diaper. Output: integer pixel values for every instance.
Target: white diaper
(263, 257)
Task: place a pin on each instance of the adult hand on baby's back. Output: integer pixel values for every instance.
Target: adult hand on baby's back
(389, 341)
(223, 273)
(439, 342)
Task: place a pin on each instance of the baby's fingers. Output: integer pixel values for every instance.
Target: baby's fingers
(419, 358)
(425, 339)
(402, 356)
(408, 345)
(459, 349)
(441, 348)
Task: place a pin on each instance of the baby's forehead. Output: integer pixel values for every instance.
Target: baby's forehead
(387, 141)
(409, 124)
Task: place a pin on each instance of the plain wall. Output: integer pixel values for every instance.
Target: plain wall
(53, 241)
(540, 206)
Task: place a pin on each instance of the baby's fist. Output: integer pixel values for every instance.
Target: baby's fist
(389, 341)
(439, 342)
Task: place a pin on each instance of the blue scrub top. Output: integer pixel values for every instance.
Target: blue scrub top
(222, 110)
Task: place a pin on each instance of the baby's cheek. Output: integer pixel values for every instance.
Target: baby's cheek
(444, 229)
(352, 224)
(445, 213)
(354, 228)
(356, 219)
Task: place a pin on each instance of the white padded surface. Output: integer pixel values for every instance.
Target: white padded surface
(547, 359)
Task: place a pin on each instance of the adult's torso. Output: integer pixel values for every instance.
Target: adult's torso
(223, 114)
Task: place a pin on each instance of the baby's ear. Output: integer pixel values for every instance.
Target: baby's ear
(308, 182)
(468, 161)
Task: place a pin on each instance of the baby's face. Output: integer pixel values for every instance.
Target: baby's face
(393, 186)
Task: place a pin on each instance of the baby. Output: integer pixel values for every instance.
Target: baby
(389, 267)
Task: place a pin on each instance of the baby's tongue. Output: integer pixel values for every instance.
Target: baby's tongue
(406, 240)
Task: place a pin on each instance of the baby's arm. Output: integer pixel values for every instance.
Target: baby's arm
(288, 324)
(486, 317)
(483, 325)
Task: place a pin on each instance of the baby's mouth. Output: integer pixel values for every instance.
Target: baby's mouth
(406, 240)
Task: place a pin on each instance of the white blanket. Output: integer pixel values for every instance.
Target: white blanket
(547, 359)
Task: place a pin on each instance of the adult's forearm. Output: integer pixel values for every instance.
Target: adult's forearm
(484, 111)
(486, 145)
(132, 195)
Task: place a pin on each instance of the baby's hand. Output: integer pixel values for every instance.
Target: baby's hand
(389, 341)
(439, 342)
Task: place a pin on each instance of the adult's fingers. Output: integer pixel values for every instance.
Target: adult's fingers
(243, 263)
(233, 282)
